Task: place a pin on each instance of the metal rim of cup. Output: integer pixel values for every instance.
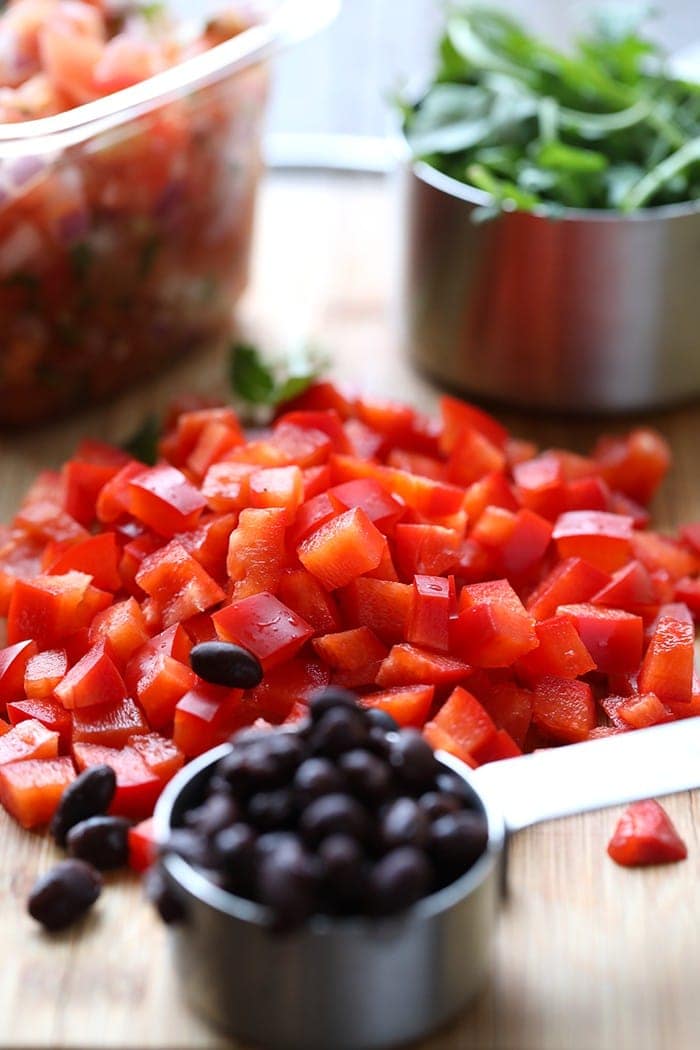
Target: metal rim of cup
(201, 888)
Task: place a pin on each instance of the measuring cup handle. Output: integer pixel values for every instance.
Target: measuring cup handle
(598, 773)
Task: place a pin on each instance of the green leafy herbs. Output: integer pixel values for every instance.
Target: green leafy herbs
(258, 381)
(605, 126)
(143, 443)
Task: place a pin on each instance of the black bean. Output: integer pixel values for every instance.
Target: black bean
(61, 896)
(450, 783)
(413, 759)
(331, 815)
(89, 795)
(398, 880)
(162, 897)
(338, 730)
(235, 850)
(101, 841)
(403, 823)
(457, 840)
(191, 845)
(329, 698)
(378, 742)
(288, 881)
(272, 841)
(288, 750)
(252, 768)
(218, 811)
(367, 775)
(316, 777)
(224, 663)
(436, 804)
(269, 810)
(381, 719)
(343, 861)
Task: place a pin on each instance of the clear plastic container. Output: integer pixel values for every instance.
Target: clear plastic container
(125, 223)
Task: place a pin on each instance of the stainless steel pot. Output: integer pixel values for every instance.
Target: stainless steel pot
(589, 312)
(360, 984)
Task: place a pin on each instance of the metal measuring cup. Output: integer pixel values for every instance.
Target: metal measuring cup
(361, 983)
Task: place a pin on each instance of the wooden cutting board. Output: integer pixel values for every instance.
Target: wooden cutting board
(587, 956)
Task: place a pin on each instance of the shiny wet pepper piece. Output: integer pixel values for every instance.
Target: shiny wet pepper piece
(645, 835)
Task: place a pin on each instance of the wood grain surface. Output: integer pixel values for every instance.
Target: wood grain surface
(587, 956)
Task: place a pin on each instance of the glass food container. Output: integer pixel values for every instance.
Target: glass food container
(125, 223)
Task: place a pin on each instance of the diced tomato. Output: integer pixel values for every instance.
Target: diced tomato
(31, 790)
(265, 626)
(563, 710)
(645, 835)
(143, 847)
(342, 549)
(93, 680)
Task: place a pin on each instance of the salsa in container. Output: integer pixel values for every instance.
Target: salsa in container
(129, 160)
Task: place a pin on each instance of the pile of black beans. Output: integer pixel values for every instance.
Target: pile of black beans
(345, 815)
(94, 841)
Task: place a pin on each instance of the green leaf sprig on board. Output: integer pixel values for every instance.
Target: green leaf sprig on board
(605, 126)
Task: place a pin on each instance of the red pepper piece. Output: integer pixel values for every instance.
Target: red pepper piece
(645, 835)
(380, 507)
(345, 547)
(563, 710)
(635, 464)
(138, 787)
(257, 553)
(351, 650)
(409, 665)
(602, 539)
(28, 739)
(427, 550)
(492, 628)
(542, 486)
(494, 490)
(518, 541)
(13, 666)
(467, 723)
(658, 552)
(161, 755)
(277, 487)
(433, 602)
(108, 724)
(177, 583)
(98, 556)
(642, 711)
(571, 581)
(667, 668)
(158, 680)
(472, 456)
(93, 680)
(383, 605)
(265, 626)
(49, 609)
(409, 705)
(307, 598)
(123, 629)
(613, 637)
(456, 415)
(143, 846)
(47, 711)
(43, 673)
(207, 715)
(285, 689)
(508, 704)
(561, 651)
(164, 500)
(31, 790)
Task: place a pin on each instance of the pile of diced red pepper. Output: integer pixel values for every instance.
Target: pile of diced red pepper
(500, 597)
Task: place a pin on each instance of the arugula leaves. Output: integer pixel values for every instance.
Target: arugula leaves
(603, 127)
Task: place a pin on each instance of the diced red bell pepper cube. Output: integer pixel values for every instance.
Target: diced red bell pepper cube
(635, 464)
(519, 541)
(31, 790)
(409, 665)
(658, 552)
(46, 520)
(215, 440)
(508, 704)
(122, 627)
(84, 482)
(382, 509)
(563, 710)
(283, 688)
(602, 539)
(162, 756)
(541, 485)
(307, 598)
(108, 724)
(277, 487)
(49, 609)
(345, 547)
(20, 558)
(326, 421)
(302, 446)
(98, 556)
(434, 499)
(164, 500)
(500, 746)
(472, 456)
(561, 651)
(43, 673)
(226, 486)
(257, 553)
(207, 716)
(427, 550)
(570, 581)
(456, 415)
(431, 607)
(47, 711)
(143, 847)
(645, 835)
(138, 787)
(440, 740)
(311, 515)
(493, 490)
(645, 710)
(174, 641)
(158, 680)
(265, 626)
(667, 667)
(408, 705)
(493, 628)
(466, 722)
(630, 588)
(416, 463)
(28, 739)
(177, 583)
(198, 432)
(93, 680)
(114, 499)
(350, 650)
(687, 590)
(593, 494)
(383, 605)
(613, 637)
(13, 666)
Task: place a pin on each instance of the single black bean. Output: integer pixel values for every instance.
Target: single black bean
(288, 750)
(224, 663)
(331, 697)
(436, 804)
(101, 841)
(162, 897)
(217, 812)
(269, 810)
(378, 742)
(288, 881)
(89, 795)
(403, 823)
(235, 851)
(450, 783)
(343, 862)
(457, 840)
(367, 775)
(316, 777)
(334, 814)
(63, 895)
(398, 880)
(381, 719)
(272, 841)
(414, 760)
(191, 845)
(252, 768)
(338, 730)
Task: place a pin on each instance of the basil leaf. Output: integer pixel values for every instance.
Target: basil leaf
(143, 443)
(251, 379)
